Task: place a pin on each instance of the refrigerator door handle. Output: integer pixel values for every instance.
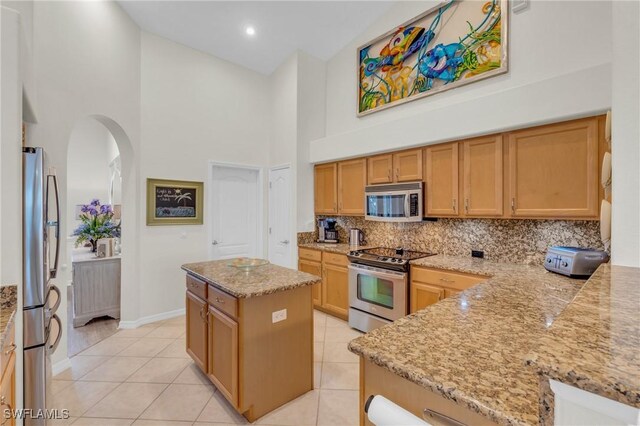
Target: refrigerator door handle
(58, 300)
(54, 179)
(54, 345)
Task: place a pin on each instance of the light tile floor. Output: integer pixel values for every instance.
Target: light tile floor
(144, 377)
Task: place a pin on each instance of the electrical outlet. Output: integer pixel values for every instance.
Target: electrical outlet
(278, 316)
(477, 253)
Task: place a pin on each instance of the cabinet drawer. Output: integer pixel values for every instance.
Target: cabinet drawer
(223, 301)
(308, 254)
(336, 259)
(457, 281)
(197, 287)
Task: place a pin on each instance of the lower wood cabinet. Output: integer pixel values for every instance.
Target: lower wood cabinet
(332, 294)
(223, 354)
(429, 286)
(8, 377)
(196, 336)
(313, 268)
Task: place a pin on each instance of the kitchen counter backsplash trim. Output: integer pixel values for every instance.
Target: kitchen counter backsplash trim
(502, 240)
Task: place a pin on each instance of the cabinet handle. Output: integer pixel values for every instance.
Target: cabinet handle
(335, 206)
(221, 301)
(430, 415)
(446, 280)
(203, 314)
(397, 174)
(453, 204)
(466, 205)
(12, 347)
(389, 175)
(513, 205)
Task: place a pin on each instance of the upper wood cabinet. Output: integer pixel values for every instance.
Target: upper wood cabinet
(352, 178)
(482, 181)
(441, 188)
(553, 170)
(380, 169)
(407, 165)
(325, 188)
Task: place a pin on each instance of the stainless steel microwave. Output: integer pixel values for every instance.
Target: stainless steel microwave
(401, 202)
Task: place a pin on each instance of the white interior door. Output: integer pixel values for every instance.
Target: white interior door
(280, 245)
(234, 213)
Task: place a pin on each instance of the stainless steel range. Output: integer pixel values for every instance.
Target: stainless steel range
(379, 285)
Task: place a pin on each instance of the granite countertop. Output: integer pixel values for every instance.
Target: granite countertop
(258, 282)
(595, 343)
(339, 248)
(8, 303)
(471, 347)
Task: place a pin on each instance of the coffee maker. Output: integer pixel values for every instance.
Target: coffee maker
(327, 232)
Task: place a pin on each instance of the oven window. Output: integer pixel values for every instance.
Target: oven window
(386, 205)
(375, 290)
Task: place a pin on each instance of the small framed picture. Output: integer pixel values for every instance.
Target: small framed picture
(174, 202)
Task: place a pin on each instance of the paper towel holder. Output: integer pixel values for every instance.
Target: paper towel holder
(427, 414)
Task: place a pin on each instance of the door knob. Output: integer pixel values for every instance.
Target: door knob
(215, 242)
(284, 242)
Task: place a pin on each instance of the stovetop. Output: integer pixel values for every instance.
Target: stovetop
(384, 257)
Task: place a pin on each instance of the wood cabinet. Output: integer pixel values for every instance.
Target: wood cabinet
(352, 178)
(8, 376)
(332, 294)
(429, 286)
(482, 181)
(325, 188)
(441, 183)
(196, 335)
(407, 165)
(256, 363)
(553, 170)
(380, 169)
(223, 354)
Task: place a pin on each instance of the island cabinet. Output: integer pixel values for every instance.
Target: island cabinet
(429, 286)
(256, 345)
(331, 295)
(420, 401)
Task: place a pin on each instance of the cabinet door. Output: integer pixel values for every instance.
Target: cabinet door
(335, 290)
(314, 268)
(223, 354)
(197, 330)
(448, 292)
(379, 169)
(8, 389)
(442, 179)
(553, 170)
(326, 187)
(482, 159)
(423, 295)
(352, 178)
(408, 165)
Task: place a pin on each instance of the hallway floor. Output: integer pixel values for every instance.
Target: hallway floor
(81, 338)
(144, 377)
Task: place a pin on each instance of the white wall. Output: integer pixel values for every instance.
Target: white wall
(87, 57)
(553, 74)
(195, 108)
(625, 232)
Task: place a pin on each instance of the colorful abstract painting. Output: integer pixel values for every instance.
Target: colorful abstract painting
(456, 43)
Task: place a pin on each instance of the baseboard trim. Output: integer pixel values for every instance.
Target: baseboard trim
(151, 318)
(60, 366)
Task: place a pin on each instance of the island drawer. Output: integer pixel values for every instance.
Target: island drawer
(308, 254)
(197, 287)
(458, 281)
(223, 301)
(336, 259)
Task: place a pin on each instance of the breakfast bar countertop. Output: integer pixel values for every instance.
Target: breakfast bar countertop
(471, 347)
(261, 281)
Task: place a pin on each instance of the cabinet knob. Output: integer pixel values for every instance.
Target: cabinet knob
(221, 301)
(12, 347)
(513, 205)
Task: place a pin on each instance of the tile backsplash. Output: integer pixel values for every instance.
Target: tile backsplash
(502, 240)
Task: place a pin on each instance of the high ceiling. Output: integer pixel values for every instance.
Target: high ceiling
(320, 28)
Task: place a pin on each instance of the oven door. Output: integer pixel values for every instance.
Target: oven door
(380, 292)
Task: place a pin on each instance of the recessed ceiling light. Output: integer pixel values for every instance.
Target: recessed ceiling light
(250, 31)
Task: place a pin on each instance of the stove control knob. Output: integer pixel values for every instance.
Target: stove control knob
(564, 264)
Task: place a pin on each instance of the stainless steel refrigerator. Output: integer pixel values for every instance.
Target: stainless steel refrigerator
(41, 248)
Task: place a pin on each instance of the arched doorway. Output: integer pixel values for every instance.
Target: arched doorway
(99, 167)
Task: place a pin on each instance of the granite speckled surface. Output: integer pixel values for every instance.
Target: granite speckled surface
(331, 248)
(258, 282)
(470, 348)
(502, 240)
(594, 344)
(307, 237)
(8, 303)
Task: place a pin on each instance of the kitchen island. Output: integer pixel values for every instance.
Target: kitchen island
(251, 332)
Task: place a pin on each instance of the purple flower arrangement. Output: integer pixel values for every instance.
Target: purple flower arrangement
(97, 222)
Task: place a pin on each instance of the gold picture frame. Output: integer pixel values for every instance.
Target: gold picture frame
(174, 202)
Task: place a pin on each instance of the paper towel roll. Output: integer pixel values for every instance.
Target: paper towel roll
(605, 224)
(382, 412)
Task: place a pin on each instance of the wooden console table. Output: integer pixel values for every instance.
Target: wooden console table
(95, 286)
